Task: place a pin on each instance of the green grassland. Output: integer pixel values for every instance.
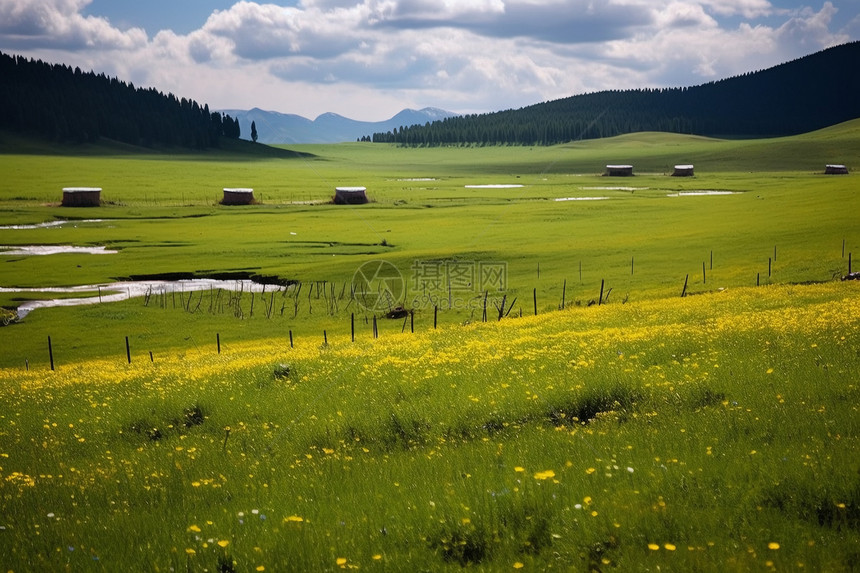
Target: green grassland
(718, 431)
(709, 433)
(161, 212)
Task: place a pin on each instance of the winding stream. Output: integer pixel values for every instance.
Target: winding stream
(113, 292)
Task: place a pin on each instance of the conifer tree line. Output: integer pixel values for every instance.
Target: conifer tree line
(796, 97)
(68, 105)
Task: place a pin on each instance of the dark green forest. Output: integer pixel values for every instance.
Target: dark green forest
(796, 97)
(67, 105)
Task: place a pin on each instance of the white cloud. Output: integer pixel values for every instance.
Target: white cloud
(683, 14)
(59, 24)
(268, 31)
(424, 12)
(369, 58)
(746, 8)
(711, 52)
(810, 31)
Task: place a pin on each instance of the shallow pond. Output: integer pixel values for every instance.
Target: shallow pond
(117, 291)
(700, 193)
(28, 250)
(494, 186)
(48, 225)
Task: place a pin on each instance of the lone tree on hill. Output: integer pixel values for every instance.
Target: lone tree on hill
(254, 132)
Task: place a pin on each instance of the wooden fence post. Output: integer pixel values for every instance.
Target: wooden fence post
(486, 293)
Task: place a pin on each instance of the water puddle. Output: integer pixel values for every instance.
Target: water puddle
(27, 250)
(47, 225)
(494, 186)
(581, 198)
(700, 193)
(124, 290)
(614, 188)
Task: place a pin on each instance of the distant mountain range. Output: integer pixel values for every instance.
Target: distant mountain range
(274, 127)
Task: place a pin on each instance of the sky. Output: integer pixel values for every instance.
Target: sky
(369, 59)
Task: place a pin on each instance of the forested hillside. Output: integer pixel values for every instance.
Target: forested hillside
(68, 105)
(796, 97)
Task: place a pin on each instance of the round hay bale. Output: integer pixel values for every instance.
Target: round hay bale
(82, 196)
(238, 196)
(619, 170)
(835, 170)
(350, 195)
(683, 171)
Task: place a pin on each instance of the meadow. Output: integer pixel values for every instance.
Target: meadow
(715, 432)
(604, 422)
(161, 213)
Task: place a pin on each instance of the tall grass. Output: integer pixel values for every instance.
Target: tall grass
(711, 432)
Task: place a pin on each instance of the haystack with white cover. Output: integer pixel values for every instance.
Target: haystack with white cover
(82, 196)
(619, 170)
(835, 170)
(238, 196)
(683, 171)
(350, 195)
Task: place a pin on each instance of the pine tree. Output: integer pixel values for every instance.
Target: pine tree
(254, 132)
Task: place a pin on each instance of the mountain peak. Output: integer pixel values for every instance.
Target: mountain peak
(329, 127)
(330, 115)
